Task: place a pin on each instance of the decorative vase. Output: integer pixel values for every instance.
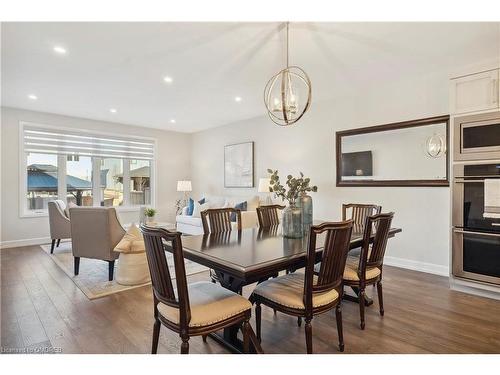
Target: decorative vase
(292, 222)
(305, 203)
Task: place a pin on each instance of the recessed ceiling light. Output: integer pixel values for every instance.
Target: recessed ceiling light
(60, 50)
(168, 79)
(238, 99)
(32, 97)
(113, 110)
(172, 121)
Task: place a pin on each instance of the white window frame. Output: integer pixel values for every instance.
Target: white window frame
(24, 212)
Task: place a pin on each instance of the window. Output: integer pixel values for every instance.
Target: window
(140, 191)
(79, 180)
(41, 180)
(84, 168)
(112, 182)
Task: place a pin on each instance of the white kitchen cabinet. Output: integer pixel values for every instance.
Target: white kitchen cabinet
(475, 92)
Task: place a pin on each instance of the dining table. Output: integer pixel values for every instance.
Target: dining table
(248, 256)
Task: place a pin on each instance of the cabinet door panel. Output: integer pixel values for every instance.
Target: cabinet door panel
(475, 92)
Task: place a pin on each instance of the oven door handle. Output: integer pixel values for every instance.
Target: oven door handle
(477, 233)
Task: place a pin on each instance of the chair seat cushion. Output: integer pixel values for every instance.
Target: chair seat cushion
(288, 290)
(210, 303)
(351, 270)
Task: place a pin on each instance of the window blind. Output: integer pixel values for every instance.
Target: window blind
(44, 140)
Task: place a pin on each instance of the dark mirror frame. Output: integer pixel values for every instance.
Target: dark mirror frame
(394, 126)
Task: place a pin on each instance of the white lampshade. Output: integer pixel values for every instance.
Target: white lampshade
(184, 185)
(264, 185)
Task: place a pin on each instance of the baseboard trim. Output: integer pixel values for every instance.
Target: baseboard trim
(27, 242)
(414, 265)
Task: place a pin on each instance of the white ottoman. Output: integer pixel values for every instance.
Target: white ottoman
(132, 269)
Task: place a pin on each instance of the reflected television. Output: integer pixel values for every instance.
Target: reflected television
(357, 164)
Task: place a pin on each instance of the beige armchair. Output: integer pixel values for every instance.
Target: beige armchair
(95, 231)
(60, 227)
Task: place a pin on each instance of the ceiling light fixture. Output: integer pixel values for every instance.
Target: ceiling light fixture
(172, 121)
(60, 50)
(113, 110)
(32, 97)
(284, 90)
(238, 99)
(168, 79)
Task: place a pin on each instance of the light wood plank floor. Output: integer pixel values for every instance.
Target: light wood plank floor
(42, 308)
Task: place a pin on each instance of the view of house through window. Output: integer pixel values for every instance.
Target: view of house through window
(79, 180)
(140, 191)
(111, 182)
(41, 180)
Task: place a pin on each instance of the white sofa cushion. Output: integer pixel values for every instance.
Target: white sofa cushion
(189, 220)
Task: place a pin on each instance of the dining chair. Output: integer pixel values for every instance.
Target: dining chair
(359, 213)
(218, 220)
(367, 268)
(196, 309)
(268, 215)
(306, 294)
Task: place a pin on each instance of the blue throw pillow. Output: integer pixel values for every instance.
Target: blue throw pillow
(190, 207)
(201, 201)
(242, 206)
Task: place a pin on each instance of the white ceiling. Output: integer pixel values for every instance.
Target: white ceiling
(122, 65)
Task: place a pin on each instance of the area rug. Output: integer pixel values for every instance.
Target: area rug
(93, 277)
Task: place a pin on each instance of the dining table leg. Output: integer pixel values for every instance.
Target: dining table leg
(229, 338)
(348, 297)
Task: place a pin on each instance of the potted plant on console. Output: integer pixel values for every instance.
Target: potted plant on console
(150, 215)
(297, 216)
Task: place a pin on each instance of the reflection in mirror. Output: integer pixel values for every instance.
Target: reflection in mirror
(410, 153)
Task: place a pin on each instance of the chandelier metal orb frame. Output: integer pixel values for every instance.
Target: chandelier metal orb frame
(281, 95)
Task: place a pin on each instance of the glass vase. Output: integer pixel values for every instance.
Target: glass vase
(305, 203)
(292, 222)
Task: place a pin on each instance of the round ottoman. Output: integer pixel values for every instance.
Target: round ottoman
(132, 269)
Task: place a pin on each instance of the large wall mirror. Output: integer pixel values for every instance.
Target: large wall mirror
(410, 153)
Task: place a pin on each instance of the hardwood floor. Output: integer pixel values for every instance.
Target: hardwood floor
(42, 308)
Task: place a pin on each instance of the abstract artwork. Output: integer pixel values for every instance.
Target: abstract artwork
(238, 165)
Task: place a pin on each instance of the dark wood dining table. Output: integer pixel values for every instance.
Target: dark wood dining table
(248, 256)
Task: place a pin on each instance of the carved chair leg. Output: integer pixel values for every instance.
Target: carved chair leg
(338, 316)
(361, 297)
(258, 313)
(309, 336)
(299, 321)
(58, 242)
(204, 337)
(246, 336)
(380, 297)
(52, 246)
(185, 345)
(77, 265)
(156, 335)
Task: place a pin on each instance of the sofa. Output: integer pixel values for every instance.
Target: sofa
(191, 224)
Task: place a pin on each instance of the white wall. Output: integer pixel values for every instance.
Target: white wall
(173, 163)
(309, 146)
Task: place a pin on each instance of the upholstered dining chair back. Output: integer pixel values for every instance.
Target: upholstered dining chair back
(154, 240)
(268, 215)
(95, 231)
(377, 226)
(59, 223)
(337, 237)
(359, 213)
(217, 220)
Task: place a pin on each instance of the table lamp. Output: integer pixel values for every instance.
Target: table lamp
(185, 187)
(264, 184)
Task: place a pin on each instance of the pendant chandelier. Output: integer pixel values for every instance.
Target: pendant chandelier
(287, 95)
